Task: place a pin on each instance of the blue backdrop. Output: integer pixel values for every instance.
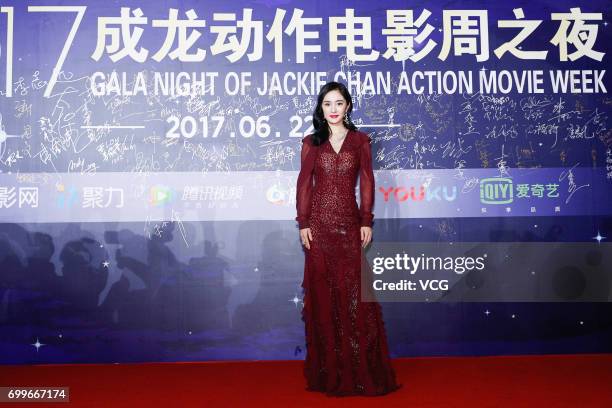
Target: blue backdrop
(140, 221)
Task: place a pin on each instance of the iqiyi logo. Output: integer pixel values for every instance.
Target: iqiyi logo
(496, 190)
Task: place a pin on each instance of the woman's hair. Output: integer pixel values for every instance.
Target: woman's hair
(322, 130)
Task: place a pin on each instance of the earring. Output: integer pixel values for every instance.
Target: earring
(346, 119)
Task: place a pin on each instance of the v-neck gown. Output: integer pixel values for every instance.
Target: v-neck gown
(346, 344)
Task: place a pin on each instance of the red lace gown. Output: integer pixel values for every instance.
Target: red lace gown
(346, 344)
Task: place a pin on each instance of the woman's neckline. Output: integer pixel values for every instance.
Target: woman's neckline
(342, 145)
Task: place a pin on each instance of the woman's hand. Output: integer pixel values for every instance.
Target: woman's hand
(366, 236)
(306, 237)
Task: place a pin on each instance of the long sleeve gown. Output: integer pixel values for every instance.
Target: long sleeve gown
(346, 344)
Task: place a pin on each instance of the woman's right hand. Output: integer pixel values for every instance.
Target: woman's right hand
(306, 237)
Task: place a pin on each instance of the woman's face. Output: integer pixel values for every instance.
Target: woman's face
(334, 107)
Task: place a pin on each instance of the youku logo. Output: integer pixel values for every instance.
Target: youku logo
(496, 190)
(426, 193)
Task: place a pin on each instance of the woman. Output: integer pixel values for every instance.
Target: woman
(346, 345)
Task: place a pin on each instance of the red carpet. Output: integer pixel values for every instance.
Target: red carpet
(511, 381)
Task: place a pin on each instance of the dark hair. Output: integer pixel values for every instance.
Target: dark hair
(322, 130)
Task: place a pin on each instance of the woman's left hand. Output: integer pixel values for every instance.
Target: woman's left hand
(366, 236)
